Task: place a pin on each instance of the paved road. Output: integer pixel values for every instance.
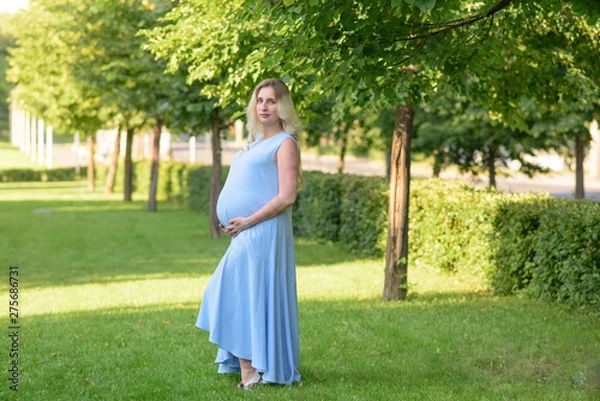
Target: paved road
(558, 184)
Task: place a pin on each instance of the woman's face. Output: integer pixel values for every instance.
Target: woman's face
(266, 106)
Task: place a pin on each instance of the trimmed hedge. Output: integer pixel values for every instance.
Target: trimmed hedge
(53, 174)
(344, 208)
(318, 207)
(515, 225)
(184, 183)
(364, 214)
(450, 227)
(567, 262)
(512, 243)
(548, 248)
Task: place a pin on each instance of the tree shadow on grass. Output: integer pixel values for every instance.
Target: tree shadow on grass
(72, 242)
(431, 348)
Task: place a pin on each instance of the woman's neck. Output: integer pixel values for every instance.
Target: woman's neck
(271, 130)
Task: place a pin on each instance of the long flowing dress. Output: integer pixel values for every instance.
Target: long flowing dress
(250, 304)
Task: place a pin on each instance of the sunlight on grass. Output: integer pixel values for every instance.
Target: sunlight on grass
(343, 280)
(358, 281)
(126, 294)
(110, 294)
(53, 191)
(11, 157)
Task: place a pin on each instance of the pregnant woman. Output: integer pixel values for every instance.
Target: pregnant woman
(250, 305)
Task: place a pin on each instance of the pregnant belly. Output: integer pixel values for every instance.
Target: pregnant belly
(238, 205)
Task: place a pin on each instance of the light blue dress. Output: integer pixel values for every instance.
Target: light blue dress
(250, 306)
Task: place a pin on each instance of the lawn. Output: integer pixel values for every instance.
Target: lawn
(108, 298)
(11, 157)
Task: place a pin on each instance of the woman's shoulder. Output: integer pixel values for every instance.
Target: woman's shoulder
(290, 142)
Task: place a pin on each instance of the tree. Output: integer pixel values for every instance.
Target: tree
(131, 81)
(379, 56)
(378, 53)
(550, 58)
(385, 56)
(399, 54)
(195, 43)
(44, 66)
(6, 41)
(457, 131)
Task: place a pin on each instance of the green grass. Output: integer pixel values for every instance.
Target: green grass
(11, 157)
(109, 296)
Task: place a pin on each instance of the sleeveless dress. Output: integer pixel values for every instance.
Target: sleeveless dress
(250, 304)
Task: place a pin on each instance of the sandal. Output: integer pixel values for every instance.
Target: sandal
(253, 382)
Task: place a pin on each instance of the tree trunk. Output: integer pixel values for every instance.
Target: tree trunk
(154, 168)
(112, 170)
(388, 163)
(341, 159)
(437, 163)
(579, 156)
(215, 177)
(91, 173)
(127, 179)
(396, 264)
(492, 166)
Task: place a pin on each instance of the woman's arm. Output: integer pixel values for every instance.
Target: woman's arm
(288, 161)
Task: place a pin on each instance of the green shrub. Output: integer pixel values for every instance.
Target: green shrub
(173, 179)
(52, 174)
(63, 174)
(18, 175)
(363, 214)
(515, 226)
(177, 184)
(449, 227)
(567, 259)
(318, 206)
(198, 184)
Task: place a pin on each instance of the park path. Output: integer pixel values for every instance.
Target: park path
(561, 185)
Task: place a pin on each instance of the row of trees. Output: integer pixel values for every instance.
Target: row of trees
(498, 78)
(6, 41)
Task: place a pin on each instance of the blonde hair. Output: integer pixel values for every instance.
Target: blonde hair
(285, 110)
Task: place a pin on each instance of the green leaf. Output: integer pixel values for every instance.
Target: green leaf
(426, 5)
(288, 2)
(358, 49)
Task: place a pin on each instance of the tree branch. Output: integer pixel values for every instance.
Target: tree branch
(460, 22)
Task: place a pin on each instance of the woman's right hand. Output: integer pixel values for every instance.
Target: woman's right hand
(236, 226)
